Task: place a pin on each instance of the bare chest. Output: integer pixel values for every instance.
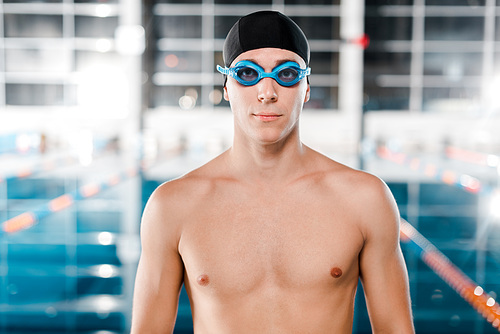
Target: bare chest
(236, 246)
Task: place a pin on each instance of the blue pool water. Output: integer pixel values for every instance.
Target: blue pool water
(73, 273)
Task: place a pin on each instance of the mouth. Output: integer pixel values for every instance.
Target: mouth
(267, 117)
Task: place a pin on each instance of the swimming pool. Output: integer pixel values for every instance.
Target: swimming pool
(73, 270)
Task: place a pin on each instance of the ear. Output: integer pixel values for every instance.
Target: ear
(226, 95)
(308, 93)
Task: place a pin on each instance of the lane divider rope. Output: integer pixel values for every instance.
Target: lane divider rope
(470, 291)
(46, 166)
(28, 219)
(464, 181)
(473, 157)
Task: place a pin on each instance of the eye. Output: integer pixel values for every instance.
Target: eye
(247, 74)
(288, 74)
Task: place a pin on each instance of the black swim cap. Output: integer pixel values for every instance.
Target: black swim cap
(264, 29)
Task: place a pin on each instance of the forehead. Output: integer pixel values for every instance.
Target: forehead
(270, 57)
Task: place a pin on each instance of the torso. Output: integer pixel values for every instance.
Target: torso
(269, 259)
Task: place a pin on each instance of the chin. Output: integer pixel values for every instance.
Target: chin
(271, 138)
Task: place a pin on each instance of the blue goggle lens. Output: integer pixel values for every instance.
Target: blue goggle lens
(248, 73)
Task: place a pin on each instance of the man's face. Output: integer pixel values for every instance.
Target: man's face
(266, 111)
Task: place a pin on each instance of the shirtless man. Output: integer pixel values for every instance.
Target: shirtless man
(270, 236)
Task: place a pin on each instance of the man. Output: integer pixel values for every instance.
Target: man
(270, 236)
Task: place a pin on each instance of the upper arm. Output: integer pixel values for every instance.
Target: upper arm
(160, 271)
(382, 267)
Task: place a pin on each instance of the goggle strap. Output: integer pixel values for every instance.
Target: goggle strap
(224, 70)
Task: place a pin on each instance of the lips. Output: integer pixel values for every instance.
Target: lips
(267, 117)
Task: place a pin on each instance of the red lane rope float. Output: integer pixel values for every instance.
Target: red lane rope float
(40, 167)
(470, 291)
(477, 158)
(23, 221)
(46, 165)
(60, 203)
(447, 176)
(28, 219)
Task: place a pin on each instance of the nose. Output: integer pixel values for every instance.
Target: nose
(267, 92)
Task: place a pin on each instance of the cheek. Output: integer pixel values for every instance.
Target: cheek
(229, 92)
(234, 98)
(300, 97)
(238, 96)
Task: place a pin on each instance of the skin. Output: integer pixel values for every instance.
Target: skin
(271, 236)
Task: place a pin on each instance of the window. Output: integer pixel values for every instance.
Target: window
(33, 25)
(178, 26)
(35, 94)
(454, 28)
(95, 27)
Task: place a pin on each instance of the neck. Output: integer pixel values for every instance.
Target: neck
(267, 163)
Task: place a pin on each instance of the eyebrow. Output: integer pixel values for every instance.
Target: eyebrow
(276, 63)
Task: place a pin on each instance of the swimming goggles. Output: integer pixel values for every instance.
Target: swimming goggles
(248, 73)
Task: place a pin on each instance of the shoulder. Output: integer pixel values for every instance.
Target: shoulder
(182, 193)
(193, 185)
(366, 187)
(351, 182)
(173, 202)
(364, 190)
(366, 197)
(374, 207)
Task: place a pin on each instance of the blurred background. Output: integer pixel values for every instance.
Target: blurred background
(103, 100)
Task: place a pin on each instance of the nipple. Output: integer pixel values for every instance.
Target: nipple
(336, 272)
(203, 280)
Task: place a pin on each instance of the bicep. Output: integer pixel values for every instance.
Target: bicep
(382, 266)
(159, 275)
(156, 295)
